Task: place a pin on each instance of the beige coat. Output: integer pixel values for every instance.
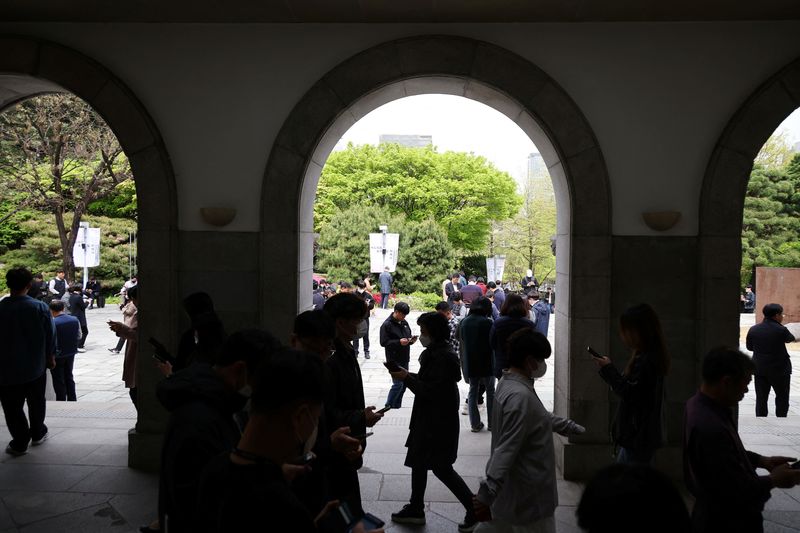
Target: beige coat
(131, 334)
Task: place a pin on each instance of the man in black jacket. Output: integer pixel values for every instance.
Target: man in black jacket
(344, 404)
(202, 400)
(396, 339)
(767, 341)
(363, 329)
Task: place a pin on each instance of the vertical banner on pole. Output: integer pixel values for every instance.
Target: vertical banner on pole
(377, 258)
(495, 266)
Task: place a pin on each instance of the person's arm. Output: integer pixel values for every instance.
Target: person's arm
(749, 341)
(336, 416)
(385, 340)
(788, 335)
(437, 379)
(565, 426)
(629, 386)
(50, 345)
(510, 441)
(52, 287)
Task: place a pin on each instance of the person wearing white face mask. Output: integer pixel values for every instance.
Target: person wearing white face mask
(519, 493)
(202, 400)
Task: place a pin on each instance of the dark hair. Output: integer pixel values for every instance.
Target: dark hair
(525, 343)
(514, 306)
(288, 377)
(57, 306)
(454, 275)
(361, 285)
(402, 307)
(253, 346)
(489, 293)
(314, 285)
(491, 285)
(76, 287)
(471, 278)
(39, 276)
(534, 295)
(643, 321)
(133, 292)
(772, 310)
(481, 280)
(197, 303)
(443, 306)
(345, 305)
(345, 285)
(18, 278)
(481, 306)
(60, 271)
(724, 361)
(436, 324)
(314, 325)
(748, 286)
(456, 296)
(650, 498)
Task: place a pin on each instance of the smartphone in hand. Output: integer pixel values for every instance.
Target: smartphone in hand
(594, 352)
(381, 411)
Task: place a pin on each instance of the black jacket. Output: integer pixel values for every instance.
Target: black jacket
(449, 289)
(502, 329)
(767, 341)
(639, 424)
(434, 427)
(368, 299)
(476, 350)
(200, 427)
(77, 307)
(391, 333)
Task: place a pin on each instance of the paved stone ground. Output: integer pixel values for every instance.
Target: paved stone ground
(78, 480)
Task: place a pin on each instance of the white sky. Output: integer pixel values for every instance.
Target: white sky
(464, 125)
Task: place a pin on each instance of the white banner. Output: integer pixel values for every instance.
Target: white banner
(495, 266)
(90, 237)
(377, 245)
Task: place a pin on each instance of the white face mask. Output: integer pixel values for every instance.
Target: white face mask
(425, 340)
(540, 371)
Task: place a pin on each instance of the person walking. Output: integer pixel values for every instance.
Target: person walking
(749, 299)
(519, 492)
(27, 349)
(767, 341)
(68, 335)
(540, 313)
(638, 429)
(433, 431)
(363, 328)
(476, 359)
(385, 280)
(396, 339)
(77, 308)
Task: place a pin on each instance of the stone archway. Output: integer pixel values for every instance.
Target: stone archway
(30, 66)
(722, 203)
(526, 94)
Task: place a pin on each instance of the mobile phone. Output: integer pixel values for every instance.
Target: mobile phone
(159, 358)
(160, 351)
(381, 411)
(414, 338)
(594, 352)
(364, 436)
(392, 366)
(338, 519)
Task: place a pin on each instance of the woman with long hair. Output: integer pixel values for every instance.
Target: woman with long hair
(638, 429)
(513, 317)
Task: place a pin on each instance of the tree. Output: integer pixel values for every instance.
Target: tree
(58, 155)
(526, 238)
(424, 258)
(771, 219)
(775, 153)
(464, 193)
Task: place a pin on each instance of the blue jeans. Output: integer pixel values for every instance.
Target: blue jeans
(395, 397)
(472, 399)
(384, 300)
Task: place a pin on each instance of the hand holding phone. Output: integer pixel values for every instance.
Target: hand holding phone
(413, 339)
(381, 411)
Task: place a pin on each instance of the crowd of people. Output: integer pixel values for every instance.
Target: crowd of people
(267, 436)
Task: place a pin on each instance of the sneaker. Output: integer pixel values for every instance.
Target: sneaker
(366, 355)
(40, 440)
(15, 452)
(476, 429)
(409, 515)
(113, 350)
(81, 350)
(469, 524)
(464, 409)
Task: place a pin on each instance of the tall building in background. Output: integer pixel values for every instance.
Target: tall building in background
(539, 178)
(412, 141)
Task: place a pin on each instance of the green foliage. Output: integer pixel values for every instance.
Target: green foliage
(771, 221)
(472, 265)
(343, 248)
(419, 301)
(121, 203)
(464, 193)
(41, 251)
